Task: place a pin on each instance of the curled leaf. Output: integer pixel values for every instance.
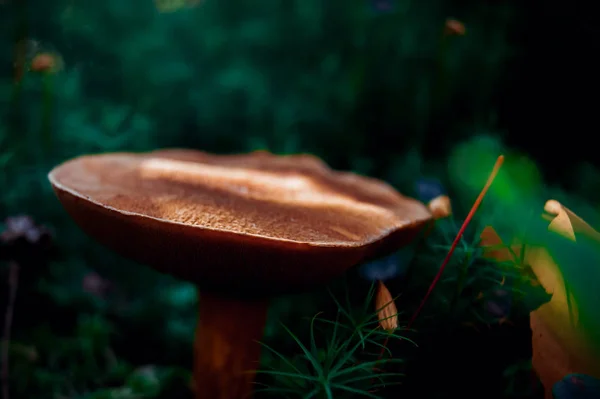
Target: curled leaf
(565, 222)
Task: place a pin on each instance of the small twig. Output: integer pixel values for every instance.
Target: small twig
(13, 282)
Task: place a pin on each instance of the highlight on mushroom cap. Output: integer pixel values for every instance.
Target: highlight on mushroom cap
(184, 210)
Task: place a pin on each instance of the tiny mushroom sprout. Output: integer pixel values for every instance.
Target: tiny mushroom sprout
(243, 228)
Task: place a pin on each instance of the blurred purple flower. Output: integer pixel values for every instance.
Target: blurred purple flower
(388, 267)
(428, 189)
(499, 304)
(23, 240)
(22, 227)
(95, 285)
(382, 5)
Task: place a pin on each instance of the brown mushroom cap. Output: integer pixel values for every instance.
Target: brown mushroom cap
(254, 223)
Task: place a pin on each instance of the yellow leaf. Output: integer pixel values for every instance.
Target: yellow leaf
(567, 223)
(560, 345)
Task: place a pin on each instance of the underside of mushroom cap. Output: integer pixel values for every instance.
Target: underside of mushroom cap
(253, 223)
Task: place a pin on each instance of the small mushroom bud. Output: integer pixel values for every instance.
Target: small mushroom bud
(386, 308)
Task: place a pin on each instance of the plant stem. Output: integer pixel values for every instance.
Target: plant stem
(474, 208)
(478, 201)
(13, 282)
(47, 111)
(14, 117)
(20, 48)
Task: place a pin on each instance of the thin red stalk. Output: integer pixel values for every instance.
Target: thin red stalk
(474, 208)
(20, 45)
(478, 201)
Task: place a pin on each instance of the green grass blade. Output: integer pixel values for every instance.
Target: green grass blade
(314, 362)
(355, 391)
(367, 377)
(276, 373)
(280, 356)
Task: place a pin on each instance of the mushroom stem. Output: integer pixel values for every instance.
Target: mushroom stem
(226, 348)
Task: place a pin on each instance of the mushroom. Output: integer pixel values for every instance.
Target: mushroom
(243, 228)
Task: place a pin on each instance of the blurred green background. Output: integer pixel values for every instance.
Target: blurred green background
(392, 88)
